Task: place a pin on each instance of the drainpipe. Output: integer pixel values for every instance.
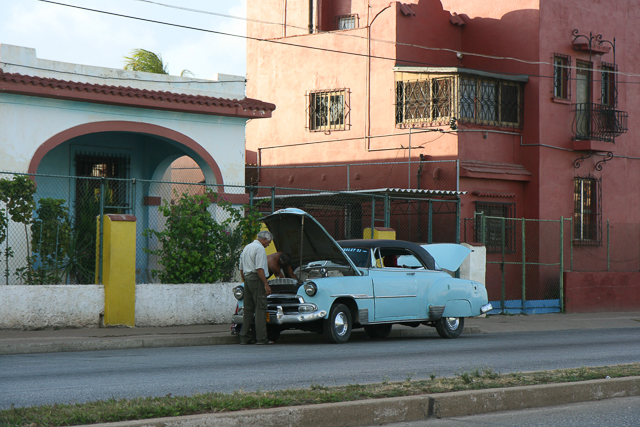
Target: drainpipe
(284, 18)
(409, 162)
(418, 176)
(367, 116)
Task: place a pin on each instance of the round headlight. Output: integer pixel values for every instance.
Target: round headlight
(238, 292)
(310, 288)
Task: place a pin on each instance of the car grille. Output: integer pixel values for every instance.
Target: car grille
(289, 303)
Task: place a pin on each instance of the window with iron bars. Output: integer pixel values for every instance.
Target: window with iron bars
(499, 226)
(420, 100)
(561, 76)
(346, 22)
(490, 102)
(470, 99)
(328, 110)
(587, 216)
(101, 165)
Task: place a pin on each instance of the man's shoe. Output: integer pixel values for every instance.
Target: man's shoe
(248, 342)
(265, 343)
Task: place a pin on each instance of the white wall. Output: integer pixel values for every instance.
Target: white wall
(189, 304)
(50, 306)
(24, 60)
(80, 306)
(29, 121)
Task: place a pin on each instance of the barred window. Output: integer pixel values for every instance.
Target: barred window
(346, 22)
(587, 210)
(561, 76)
(327, 110)
(497, 218)
(490, 102)
(469, 98)
(114, 167)
(422, 100)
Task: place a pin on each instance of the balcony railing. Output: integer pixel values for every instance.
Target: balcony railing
(599, 122)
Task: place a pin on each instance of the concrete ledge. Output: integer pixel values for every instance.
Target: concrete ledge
(412, 408)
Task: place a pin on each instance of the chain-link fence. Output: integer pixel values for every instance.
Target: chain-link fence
(49, 232)
(526, 258)
(524, 272)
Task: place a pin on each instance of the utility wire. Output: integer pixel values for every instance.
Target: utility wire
(396, 43)
(281, 42)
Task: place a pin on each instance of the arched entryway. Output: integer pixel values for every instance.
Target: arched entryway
(136, 159)
(90, 131)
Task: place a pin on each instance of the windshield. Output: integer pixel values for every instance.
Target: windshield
(359, 256)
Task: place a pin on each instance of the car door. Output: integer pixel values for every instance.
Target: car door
(395, 292)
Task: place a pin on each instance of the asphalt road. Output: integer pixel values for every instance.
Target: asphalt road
(620, 412)
(37, 379)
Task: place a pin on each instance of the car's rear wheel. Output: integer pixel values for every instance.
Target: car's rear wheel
(337, 328)
(378, 331)
(450, 327)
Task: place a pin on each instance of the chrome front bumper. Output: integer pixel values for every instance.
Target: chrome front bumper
(279, 318)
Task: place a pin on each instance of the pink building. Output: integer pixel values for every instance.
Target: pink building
(531, 99)
(528, 96)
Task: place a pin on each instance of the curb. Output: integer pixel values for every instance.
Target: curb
(184, 341)
(405, 409)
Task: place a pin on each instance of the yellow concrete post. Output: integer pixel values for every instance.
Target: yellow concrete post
(271, 249)
(379, 233)
(119, 269)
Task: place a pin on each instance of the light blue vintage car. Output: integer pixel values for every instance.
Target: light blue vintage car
(364, 283)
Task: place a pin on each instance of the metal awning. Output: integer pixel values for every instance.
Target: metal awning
(522, 78)
(327, 197)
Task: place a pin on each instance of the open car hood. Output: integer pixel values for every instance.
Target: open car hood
(299, 235)
(448, 256)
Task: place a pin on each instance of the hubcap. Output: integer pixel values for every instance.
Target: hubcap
(453, 323)
(341, 324)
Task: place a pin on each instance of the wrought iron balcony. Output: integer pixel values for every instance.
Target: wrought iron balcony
(599, 122)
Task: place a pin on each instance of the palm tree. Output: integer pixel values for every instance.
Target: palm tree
(144, 60)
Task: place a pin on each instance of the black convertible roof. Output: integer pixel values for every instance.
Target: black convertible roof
(418, 250)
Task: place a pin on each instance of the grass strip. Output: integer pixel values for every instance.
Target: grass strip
(114, 410)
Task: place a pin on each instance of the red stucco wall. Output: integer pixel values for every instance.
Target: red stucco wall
(509, 37)
(590, 292)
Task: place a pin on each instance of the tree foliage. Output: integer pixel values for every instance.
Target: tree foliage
(144, 60)
(149, 62)
(195, 248)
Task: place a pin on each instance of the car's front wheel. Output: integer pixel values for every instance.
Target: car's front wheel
(337, 328)
(450, 327)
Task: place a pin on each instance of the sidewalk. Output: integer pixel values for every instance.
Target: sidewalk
(50, 341)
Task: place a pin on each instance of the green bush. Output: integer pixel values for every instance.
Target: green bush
(17, 197)
(50, 236)
(195, 248)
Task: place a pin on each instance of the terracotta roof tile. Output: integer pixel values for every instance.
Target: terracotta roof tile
(127, 96)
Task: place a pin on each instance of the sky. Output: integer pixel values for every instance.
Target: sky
(67, 34)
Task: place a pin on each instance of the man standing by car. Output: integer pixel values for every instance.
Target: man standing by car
(253, 270)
